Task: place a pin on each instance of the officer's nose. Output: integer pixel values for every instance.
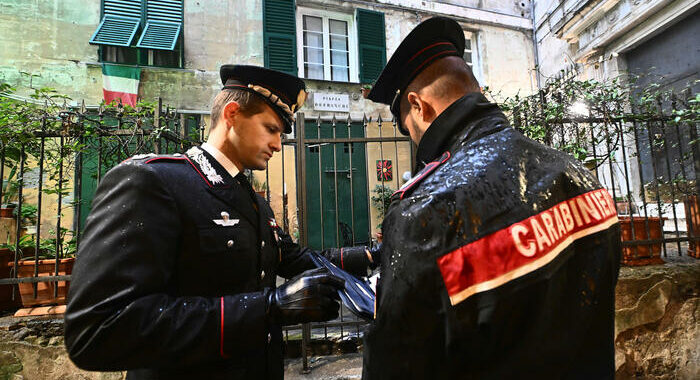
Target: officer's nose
(276, 144)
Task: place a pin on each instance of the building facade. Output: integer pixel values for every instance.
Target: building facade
(337, 47)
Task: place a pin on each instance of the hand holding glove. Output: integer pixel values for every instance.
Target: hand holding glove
(309, 297)
(355, 260)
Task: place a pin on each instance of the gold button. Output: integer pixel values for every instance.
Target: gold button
(269, 337)
(262, 275)
(262, 245)
(229, 243)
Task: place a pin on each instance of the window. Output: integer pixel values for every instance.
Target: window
(326, 43)
(141, 32)
(471, 56)
(468, 58)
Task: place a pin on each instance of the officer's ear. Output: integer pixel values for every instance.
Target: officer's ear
(421, 106)
(231, 110)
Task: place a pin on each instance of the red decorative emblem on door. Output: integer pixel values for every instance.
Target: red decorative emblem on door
(384, 170)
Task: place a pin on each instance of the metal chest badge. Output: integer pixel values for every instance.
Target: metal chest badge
(225, 220)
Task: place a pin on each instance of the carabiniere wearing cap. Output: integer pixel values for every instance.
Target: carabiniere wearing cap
(177, 268)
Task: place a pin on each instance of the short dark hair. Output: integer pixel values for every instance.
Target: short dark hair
(250, 103)
(449, 77)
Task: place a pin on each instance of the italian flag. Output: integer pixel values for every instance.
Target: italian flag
(120, 82)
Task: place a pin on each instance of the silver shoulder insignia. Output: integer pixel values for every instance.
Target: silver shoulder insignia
(209, 171)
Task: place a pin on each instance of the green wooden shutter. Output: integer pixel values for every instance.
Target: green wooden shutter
(120, 21)
(371, 41)
(280, 35)
(163, 24)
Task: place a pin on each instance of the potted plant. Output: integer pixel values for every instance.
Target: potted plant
(381, 199)
(692, 219)
(10, 188)
(9, 294)
(641, 253)
(45, 262)
(624, 206)
(28, 215)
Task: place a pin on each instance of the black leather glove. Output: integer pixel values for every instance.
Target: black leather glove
(354, 260)
(309, 297)
(376, 253)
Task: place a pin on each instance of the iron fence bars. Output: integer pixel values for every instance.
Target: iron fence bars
(657, 145)
(53, 156)
(333, 169)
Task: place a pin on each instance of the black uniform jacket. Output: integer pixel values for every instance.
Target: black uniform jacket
(170, 274)
(500, 260)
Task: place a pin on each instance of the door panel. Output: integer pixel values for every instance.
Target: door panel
(336, 188)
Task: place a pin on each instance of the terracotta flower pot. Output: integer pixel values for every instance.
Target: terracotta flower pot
(6, 212)
(45, 289)
(6, 298)
(641, 253)
(692, 217)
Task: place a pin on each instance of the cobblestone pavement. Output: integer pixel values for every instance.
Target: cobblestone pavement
(334, 367)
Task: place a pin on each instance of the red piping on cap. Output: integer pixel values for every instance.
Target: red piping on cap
(428, 47)
(430, 60)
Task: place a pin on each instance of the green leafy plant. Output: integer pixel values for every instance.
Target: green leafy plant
(381, 199)
(10, 188)
(26, 244)
(28, 214)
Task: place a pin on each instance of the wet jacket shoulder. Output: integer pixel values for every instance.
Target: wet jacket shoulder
(469, 288)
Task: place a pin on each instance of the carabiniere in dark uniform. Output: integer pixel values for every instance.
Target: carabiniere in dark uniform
(173, 273)
(500, 256)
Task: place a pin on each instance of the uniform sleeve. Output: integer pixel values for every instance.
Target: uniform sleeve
(123, 311)
(295, 259)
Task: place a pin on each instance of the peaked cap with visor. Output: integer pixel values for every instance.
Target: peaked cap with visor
(431, 40)
(284, 93)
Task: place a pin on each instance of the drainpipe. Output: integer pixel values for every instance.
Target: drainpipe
(534, 46)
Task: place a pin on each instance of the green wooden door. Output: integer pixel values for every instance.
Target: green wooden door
(336, 188)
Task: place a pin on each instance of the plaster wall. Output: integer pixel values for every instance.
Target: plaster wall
(595, 33)
(49, 38)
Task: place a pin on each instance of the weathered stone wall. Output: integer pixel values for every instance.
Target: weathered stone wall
(657, 322)
(657, 334)
(34, 349)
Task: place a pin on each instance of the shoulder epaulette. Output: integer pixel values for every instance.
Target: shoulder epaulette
(151, 157)
(429, 168)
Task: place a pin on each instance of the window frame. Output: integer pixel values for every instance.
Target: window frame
(475, 62)
(353, 60)
(144, 56)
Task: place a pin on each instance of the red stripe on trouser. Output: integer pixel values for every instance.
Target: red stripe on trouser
(221, 335)
(524, 246)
